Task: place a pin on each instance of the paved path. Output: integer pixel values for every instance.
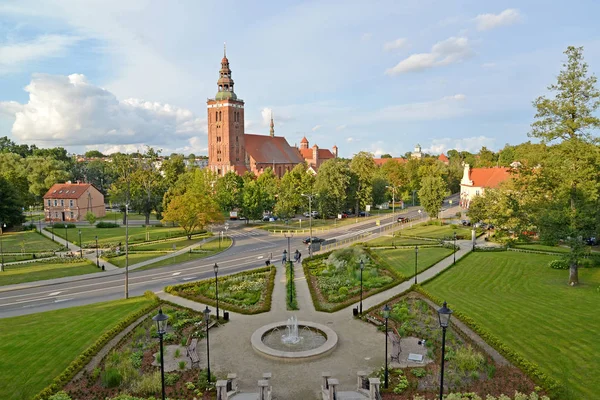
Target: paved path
(360, 347)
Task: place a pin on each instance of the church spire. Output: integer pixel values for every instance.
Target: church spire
(225, 83)
(272, 130)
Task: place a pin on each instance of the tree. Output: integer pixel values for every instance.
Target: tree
(363, 167)
(386, 156)
(432, 193)
(172, 169)
(255, 200)
(94, 154)
(228, 191)
(487, 158)
(196, 207)
(568, 211)
(11, 206)
(90, 217)
(331, 185)
(147, 185)
(291, 186)
(43, 172)
(269, 185)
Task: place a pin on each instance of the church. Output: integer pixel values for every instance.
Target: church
(231, 149)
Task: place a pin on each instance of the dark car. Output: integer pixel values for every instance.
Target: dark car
(363, 214)
(591, 241)
(402, 219)
(466, 223)
(314, 240)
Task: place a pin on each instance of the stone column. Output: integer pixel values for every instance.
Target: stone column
(233, 379)
(373, 388)
(222, 390)
(324, 377)
(332, 383)
(263, 390)
(359, 381)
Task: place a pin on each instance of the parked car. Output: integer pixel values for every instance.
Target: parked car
(313, 213)
(363, 214)
(269, 218)
(344, 215)
(402, 219)
(591, 241)
(314, 240)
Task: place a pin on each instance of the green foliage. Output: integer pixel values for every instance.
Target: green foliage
(177, 353)
(402, 384)
(203, 384)
(62, 395)
(148, 384)
(559, 264)
(289, 273)
(331, 185)
(432, 193)
(171, 379)
(418, 372)
(10, 204)
(467, 360)
(136, 359)
(103, 224)
(181, 365)
(90, 217)
(111, 377)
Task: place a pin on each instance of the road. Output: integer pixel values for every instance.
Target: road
(251, 248)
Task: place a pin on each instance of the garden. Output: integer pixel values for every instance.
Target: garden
(27, 245)
(523, 307)
(133, 365)
(45, 269)
(468, 369)
(434, 230)
(247, 292)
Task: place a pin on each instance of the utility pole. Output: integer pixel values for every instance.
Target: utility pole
(126, 250)
(310, 197)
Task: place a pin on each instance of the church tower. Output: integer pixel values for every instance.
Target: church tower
(226, 146)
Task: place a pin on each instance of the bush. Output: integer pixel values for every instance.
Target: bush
(171, 379)
(181, 364)
(111, 377)
(343, 291)
(61, 226)
(103, 224)
(149, 384)
(419, 372)
(402, 384)
(561, 263)
(62, 395)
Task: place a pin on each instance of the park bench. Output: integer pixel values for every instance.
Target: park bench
(396, 349)
(191, 352)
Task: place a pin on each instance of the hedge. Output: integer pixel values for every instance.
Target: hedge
(173, 289)
(84, 358)
(289, 274)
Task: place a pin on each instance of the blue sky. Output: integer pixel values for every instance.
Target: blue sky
(379, 76)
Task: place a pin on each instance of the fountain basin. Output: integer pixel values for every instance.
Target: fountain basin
(324, 347)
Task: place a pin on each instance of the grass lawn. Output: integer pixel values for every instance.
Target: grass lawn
(436, 231)
(106, 236)
(134, 258)
(208, 249)
(179, 244)
(112, 216)
(532, 309)
(27, 242)
(39, 347)
(37, 271)
(318, 223)
(398, 241)
(541, 247)
(403, 260)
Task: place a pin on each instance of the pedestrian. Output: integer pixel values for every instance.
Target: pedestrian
(296, 255)
(284, 258)
(299, 257)
(268, 263)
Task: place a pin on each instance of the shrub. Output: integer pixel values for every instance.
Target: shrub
(136, 359)
(103, 224)
(468, 360)
(62, 395)
(419, 372)
(171, 379)
(177, 353)
(561, 263)
(402, 384)
(181, 364)
(111, 377)
(149, 384)
(343, 291)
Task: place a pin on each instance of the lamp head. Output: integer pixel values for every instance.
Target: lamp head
(386, 311)
(206, 314)
(216, 268)
(362, 265)
(444, 315)
(161, 321)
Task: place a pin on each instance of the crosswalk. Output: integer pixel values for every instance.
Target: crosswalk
(244, 233)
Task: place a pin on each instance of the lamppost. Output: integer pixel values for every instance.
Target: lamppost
(52, 228)
(420, 214)
(66, 236)
(97, 260)
(386, 315)
(444, 315)
(80, 249)
(206, 321)
(362, 267)
(454, 247)
(2, 227)
(310, 197)
(216, 269)
(416, 261)
(126, 251)
(161, 327)
(393, 197)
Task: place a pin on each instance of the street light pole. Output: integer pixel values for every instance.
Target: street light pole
(362, 267)
(393, 197)
(97, 259)
(206, 321)
(386, 315)
(444, 315)
(80, 249)
(161, 325)
(216, 269)
(310, 197)
(2, 227)
(126, 251)
(66, 237)
(416, 262)
(454, 247)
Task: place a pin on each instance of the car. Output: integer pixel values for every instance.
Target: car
(314, 240)
(402, 219)
(363, 214)
(269, 218)
(344, 215)
(591, 241)
(466, 223)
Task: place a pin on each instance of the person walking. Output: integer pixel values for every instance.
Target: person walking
(284, 257)
(299, 257)
(296, 253)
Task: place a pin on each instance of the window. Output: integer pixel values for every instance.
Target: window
(70, 203)
(55, 203)
(72, 215)
(62, 203)
(49, 203)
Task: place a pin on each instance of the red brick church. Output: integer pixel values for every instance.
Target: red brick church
(231, 149)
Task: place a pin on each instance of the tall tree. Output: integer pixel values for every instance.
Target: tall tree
(331, 185)
(172, 168)
(432, 193)
(228, 191)
(11, 206)
(291, 187)
(363, 167)
(570, 177)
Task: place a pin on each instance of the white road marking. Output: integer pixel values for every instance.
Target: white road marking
(260, 257)
(176, 273)
(54, 294)
(61, 300)
(187, 279)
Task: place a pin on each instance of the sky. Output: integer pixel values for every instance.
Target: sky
(379, 76)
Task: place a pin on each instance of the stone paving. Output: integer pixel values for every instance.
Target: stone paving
(360, 347)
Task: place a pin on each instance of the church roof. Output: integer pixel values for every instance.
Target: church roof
(324, 154)
(304, 140)
(271, 149)
(443, 158)
(489, 177)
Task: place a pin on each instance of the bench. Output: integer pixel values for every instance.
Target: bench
(192, 354)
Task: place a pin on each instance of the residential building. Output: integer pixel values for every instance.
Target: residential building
(476, 180)
(72, 201)
(315, 156)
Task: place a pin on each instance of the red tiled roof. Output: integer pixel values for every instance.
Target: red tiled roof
(271, 149)
(443, 158)
(240, 169)
(67, 190)
(304, 140)
(324, 154)
(381, 161)
(489, 177)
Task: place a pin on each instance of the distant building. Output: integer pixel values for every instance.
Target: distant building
(444, 159)
(476, 180)
(71, 201)
(417, 154)
(315, 156)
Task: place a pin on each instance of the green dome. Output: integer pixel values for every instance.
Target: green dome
(224, 95)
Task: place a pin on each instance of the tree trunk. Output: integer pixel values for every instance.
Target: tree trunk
(573, 274)
(124, 218)
(147, 218)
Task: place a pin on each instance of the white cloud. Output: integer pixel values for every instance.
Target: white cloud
(449, 51)
(470, 144)
(395, 44)
(41, 47)
(266, 114)
(446, 107)
(340, 127)
(507, 17)
(316, 128)
(350, 139)
(10, 108)
(69, 111)
(488, 65)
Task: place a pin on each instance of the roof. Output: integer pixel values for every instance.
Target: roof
(240, 169)
(323, 154)
(271, 149)
(304, 140)
(381, 161)
(489, 177)
(67, 190)
(443, 158)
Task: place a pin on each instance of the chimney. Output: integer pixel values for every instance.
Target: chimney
(315, 157)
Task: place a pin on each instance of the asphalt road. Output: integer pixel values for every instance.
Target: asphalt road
(251, 248)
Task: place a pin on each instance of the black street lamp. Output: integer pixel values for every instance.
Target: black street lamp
(97, 258)
(386, 315)
(206, 321)
(66, 236)
(2, 227)
(80, 249)
(454, 247)
(52, 229)
(416, 261)
(216, 269)
(362, 267)
(161, 327)
(444, 315)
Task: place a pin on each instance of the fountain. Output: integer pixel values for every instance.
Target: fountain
(302, 340)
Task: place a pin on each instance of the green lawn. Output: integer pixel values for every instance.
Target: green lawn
(27, 242)
(318, 224)
(541, 247)
(134, 258)
(106, 236)
(532, 309)
(38, 271)
(112, 216)
(179, 244)
(208, 249)
(403, 260)
(398, 241)
(39, 347)
(436, 231)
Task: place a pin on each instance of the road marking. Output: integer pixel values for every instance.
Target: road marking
(54, 294)
(61, 300)
(187, 279)
(176, 273)
(260, 257)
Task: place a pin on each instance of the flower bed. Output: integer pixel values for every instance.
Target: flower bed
(247, 292)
